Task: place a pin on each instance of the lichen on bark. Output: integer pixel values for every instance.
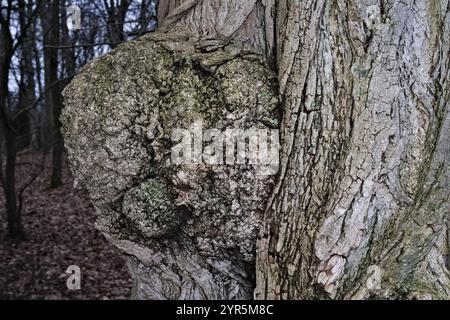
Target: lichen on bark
(365, 159)
(189, 230)
(361, 205)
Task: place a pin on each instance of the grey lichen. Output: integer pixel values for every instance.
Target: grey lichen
(190, 230)
(152, 210)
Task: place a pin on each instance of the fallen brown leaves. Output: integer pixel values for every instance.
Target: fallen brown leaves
(60, 226)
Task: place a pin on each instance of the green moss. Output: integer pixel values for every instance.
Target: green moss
(151, 209)
(152, 191)
(419, 287)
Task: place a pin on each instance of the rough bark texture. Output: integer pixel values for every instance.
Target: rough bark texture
(364, 180)
(190, 230)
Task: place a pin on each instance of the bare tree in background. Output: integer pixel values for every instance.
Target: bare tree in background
(39, 56)
(26, 85)
(50, 21)
(10, 43)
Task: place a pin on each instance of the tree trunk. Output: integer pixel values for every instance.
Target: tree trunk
(116, 15)
(51, 28)
(50, 56)
(360, 207)
(27, 88)
(38, 116)
(8, 170)
(364, 181)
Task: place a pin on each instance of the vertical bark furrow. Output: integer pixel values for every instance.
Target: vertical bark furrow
(360, 127)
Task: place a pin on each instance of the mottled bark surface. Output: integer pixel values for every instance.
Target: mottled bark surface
(364, 182)
(361, 206)
(189, 229)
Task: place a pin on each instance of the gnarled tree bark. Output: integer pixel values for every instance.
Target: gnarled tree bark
(364, 182)
(361, 205)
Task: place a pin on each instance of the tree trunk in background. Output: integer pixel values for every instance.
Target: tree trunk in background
(39, 120)
(8, 174)
(58, 143)
(49, 55)
(27, 88)
(361, 206)
(8, 170)
(53, 100)
(67, 39)
(116, 19)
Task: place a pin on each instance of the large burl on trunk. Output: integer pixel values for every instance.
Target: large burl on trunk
(360, 205)
(189, 229)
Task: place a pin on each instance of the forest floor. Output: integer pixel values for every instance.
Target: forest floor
(60, 226)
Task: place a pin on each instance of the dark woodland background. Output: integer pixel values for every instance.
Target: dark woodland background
(45, 224)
